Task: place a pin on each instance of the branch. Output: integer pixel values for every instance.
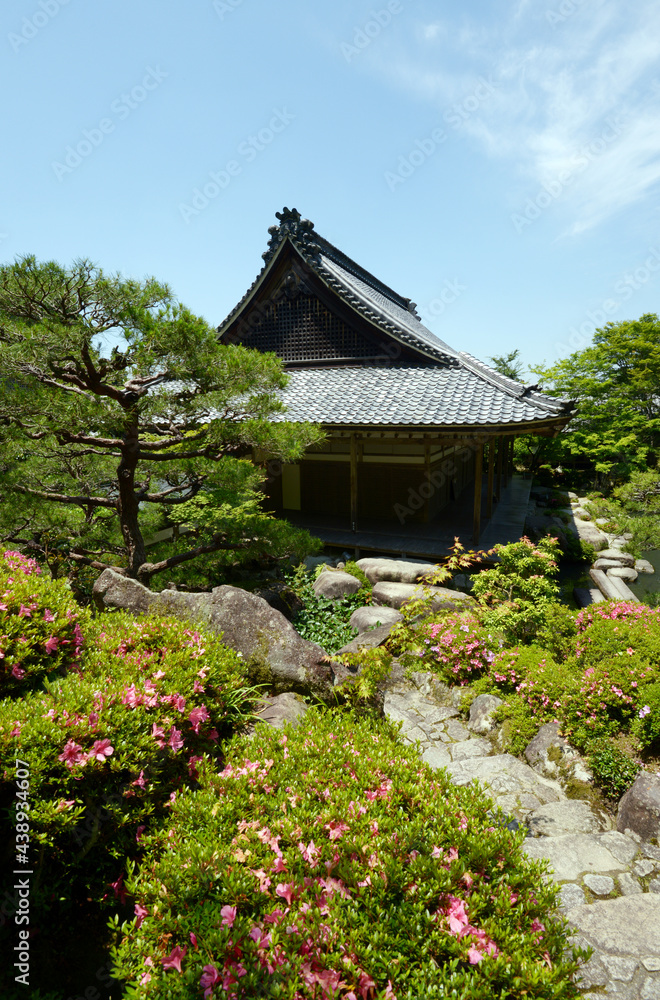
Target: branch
(147, 570)
(165, 498)
(63, 498)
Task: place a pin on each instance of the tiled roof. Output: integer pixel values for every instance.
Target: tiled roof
(407, 396)
(449, 388)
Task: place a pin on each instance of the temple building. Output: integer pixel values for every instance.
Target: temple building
(418, 433)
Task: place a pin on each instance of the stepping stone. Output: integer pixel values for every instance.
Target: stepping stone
(436, 756)
(571, 895)
(395, 570)
(466, 749)
(628, 885)
(625, 573)
(457, 731)
(644, 566)
(394, 595)
(370, 617)
(575, 854)
(617, 556)
(513, 786)
(627, 927)
(334, 583)
(600, 885)
(571, 816)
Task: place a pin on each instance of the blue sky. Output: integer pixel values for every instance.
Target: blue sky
(497, 162)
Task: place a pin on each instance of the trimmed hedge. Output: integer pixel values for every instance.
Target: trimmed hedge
(329, 861)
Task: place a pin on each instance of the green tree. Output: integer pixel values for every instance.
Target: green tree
(102, 446)
(508, 364)
(616, 383)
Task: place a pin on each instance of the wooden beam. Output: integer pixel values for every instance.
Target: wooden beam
(354, 482)
(500, 449)
(491, 477)
(513, 445)
(478, 477)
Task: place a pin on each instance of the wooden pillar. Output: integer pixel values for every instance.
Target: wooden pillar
(427, 471)
(478, 478)
(500, 449)
(491, 477)
(354, 482)
(513, 445)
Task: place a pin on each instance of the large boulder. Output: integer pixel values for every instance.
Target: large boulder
(371, 617)
(273, 651)
(367, 640)
(514, 786)
(395, 570)
(639, 809)
(282, 708)
(617, 556)
(625, 573)
(550, 754)
(395, 595)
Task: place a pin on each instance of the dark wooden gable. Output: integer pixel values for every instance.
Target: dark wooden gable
(296, 316)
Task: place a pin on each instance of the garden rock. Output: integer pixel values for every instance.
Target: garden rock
(588, 532)
(482, 710)
(568, 816)
(366, 640)
(606, 564)
(639, 809)
(550, 754)
(335, 584)
(395, 595)
(113, 590)
(273, 652)
(644, 566)
(577, 854)
(514, 786)
(311, 562)
(369, 617)
(281, 597)
(282, 708)
(395, 570)
(625, 573)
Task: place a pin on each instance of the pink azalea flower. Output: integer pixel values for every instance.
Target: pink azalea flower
(138, 833)
(285, 890)
(335, 829)
(197, 716)
(145, 978)
(158, 735)
(228, 914)
(49, 616)
(51, 644)
(24, 612)
(175, 740)
(174, 959)
(213, 736)
(140, 782)
(101, 749)
(389, 992)
(17, 672)
(192, 765)
(118, 889)
(71, 754)
(140, 912)
(210, 977)
(474, 955)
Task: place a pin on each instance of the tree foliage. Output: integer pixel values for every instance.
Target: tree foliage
(103, 446)
(509, 364)
(616, 382)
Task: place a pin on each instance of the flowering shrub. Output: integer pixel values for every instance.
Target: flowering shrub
(457, 647)
(618, 628)
(109, 749)
(329, 862)
(647, 723)
(40, 625)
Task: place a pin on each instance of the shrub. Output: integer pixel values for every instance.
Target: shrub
(614, 628)
(109, 748)
(329, 861)
(456, 647)
(646, 726)
(517, 592)
(323, 620)
(613, 770)
(40, 625)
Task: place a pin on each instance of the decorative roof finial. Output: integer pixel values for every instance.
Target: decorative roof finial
(291, 224)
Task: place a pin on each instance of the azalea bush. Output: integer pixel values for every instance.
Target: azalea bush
(109, 748)
(329, 861)
(40, 625)
(457, 647)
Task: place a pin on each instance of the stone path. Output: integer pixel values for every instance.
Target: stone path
(609, 882)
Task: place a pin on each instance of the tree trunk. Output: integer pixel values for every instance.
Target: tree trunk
(127, 504)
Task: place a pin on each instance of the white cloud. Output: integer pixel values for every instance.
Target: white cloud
(558, 85)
